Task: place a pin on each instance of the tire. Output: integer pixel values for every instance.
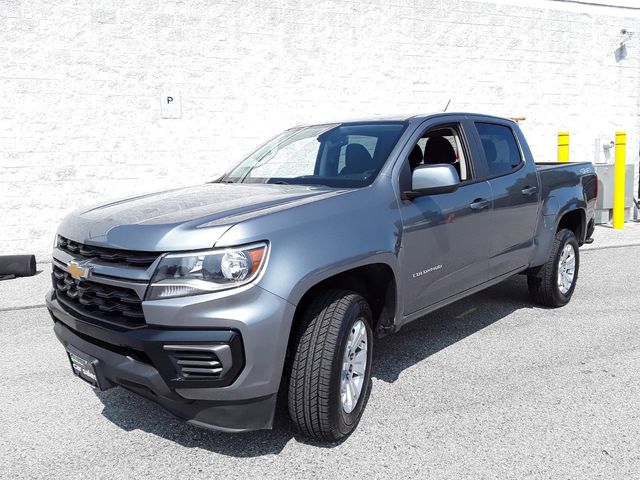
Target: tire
(315, 392)
(545, 286)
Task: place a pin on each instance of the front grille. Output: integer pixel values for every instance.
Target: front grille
(132, 258)
(199, 361)
(107, 303)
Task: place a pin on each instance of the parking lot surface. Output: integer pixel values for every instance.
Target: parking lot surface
(489, 387)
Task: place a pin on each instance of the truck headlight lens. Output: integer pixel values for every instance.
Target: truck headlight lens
(185, 274)
(235, 265)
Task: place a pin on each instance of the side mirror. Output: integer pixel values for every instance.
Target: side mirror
(433, 180)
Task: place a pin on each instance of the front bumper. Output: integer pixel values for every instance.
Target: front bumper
(253, 323)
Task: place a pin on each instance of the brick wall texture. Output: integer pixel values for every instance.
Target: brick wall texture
(80, 85)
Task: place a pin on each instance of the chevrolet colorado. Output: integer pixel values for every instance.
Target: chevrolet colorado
(274, 278)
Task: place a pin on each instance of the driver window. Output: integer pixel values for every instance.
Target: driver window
(442, 145)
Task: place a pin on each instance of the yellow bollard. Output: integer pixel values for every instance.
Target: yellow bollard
(563, 146)
(618, 180)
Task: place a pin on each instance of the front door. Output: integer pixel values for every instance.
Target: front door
(446, 237)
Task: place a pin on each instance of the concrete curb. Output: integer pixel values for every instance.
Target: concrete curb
(27, 307)
(606, 247)
(24, 293)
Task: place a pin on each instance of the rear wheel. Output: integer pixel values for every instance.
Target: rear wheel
(552, 284)
(331, 367)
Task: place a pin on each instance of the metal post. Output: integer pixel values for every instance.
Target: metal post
(563, 146)
(618, 180)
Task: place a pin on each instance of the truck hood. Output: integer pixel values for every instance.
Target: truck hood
(183, 219)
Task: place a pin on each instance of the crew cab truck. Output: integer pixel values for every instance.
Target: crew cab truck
(212, 299)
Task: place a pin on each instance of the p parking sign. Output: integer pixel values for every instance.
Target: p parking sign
(170, 104)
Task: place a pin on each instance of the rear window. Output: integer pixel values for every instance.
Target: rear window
(500, 148)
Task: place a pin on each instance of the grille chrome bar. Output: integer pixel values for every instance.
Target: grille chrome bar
(112, 255)
(199, 363)
(201, 371)
(191, 348)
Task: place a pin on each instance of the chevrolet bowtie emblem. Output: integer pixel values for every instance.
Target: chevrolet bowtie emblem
(77, 271)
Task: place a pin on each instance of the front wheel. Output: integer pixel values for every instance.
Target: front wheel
(552, 285)
(331, 367)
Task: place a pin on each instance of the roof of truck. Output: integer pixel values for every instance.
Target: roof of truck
(406, 118)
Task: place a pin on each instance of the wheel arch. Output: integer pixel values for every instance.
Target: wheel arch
(376, 282)
(574, 220)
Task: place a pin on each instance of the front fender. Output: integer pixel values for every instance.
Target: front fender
(312, 242)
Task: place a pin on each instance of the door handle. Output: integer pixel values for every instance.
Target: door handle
(480, 203)
(529, 190)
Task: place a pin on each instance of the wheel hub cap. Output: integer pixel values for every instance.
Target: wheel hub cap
(354, 366)
(566, 268)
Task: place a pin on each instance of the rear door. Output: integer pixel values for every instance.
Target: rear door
(445, 237)
(515, 193)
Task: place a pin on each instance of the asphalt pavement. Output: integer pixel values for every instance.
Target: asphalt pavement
(489, 387)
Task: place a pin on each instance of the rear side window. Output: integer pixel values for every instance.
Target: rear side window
(500, 148)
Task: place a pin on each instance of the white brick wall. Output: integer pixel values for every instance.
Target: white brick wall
(80, 84)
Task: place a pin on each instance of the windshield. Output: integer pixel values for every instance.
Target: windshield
(336, 155)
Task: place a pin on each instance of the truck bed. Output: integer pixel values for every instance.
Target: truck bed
(557, 177)
(561, 165)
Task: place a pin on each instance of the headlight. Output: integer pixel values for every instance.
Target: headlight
(184, 274)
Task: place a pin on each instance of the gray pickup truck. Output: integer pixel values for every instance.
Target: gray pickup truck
(213, 299)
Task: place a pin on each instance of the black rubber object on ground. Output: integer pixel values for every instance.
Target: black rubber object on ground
(18, 265)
